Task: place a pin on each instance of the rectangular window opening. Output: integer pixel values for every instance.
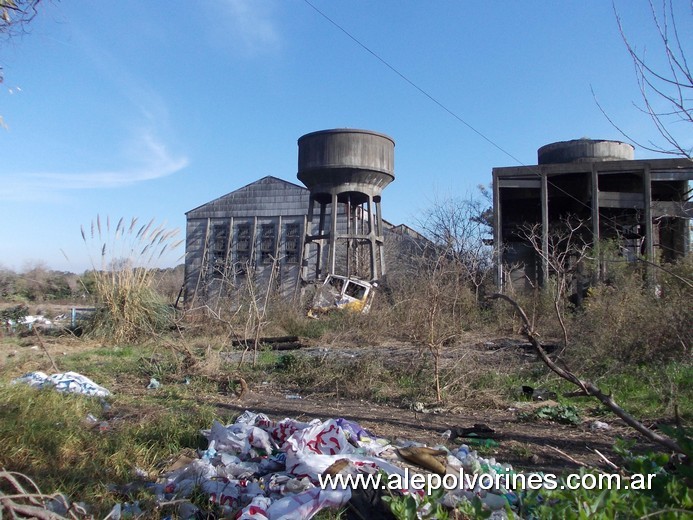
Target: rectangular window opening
(242, 247)
(267, 243)
(219, 248)
(292, 243)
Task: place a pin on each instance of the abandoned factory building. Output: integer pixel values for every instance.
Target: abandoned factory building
(283, 234)
(642, 205)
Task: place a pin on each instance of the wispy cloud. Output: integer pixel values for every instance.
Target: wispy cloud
(251, 24)
(147, 158)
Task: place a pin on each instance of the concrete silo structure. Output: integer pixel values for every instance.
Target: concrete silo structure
(345, 171)
(642, 205)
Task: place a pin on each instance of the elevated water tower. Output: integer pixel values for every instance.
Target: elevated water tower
(346, 171)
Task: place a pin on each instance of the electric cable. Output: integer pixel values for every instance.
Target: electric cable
(531, 169)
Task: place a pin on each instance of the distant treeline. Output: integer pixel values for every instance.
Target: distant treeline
(40, 284)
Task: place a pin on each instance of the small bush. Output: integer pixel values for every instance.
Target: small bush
(563, 414)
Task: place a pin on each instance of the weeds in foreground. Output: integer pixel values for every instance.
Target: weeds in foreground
(654, 486)
(49, 437)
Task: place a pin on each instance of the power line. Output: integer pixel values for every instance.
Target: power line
(405, 78)
(382, 60)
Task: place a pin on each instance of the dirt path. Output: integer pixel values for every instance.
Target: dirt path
(530, 446)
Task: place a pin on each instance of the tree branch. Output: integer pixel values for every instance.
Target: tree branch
(587, 387)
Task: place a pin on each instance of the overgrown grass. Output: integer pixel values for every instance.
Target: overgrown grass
(47, 436)
(655, 391)
(122, 280)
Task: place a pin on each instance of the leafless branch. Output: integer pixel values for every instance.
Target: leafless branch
(587, 387)
(671, 86)
(15, 14)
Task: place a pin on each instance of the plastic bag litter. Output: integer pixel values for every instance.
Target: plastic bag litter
(308, 503)
(241, 438)
(354, 430)
(260, 469)
(256, 510)
(71, 382)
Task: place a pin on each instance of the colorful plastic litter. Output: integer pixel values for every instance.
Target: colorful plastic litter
(260, 469)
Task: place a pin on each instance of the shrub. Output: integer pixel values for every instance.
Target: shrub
(633, 322)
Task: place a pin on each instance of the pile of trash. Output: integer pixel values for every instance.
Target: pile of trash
(261, 469)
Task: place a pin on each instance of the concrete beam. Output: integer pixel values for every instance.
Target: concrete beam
(519, 183)
(618, 199)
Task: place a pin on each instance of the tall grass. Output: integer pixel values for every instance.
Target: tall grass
(47, 436)
(122, 258)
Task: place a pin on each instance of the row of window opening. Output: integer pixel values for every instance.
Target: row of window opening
(267, 250)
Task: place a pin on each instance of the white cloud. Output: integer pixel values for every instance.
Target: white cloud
(251, 24)
(148, 158)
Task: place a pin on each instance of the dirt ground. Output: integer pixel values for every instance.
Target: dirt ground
(529, 446)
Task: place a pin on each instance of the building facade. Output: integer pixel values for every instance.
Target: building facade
(259, 230)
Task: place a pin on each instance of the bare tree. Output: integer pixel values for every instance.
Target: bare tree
(666, 89)
(15, 14)
(563, 254)
(431, 303)
(462, 228)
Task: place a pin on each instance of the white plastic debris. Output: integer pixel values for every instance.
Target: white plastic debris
(66, 382)
(599, 425)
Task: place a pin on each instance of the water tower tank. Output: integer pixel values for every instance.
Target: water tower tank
(346, 160)
(346, 171)
(584, 150)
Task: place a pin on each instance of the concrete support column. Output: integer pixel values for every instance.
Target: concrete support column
(332, 257)
(229, 253)
(349, 230)
(544, 227)
(253, 244)
(649, 237)
(497, 233)
(596, 237)
(380, 240)
(320, 241)
(371, 233)
(307, 231)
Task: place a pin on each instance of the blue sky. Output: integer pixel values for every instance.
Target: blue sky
(150, 109)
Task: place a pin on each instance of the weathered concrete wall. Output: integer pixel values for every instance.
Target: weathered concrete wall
(224, 239)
